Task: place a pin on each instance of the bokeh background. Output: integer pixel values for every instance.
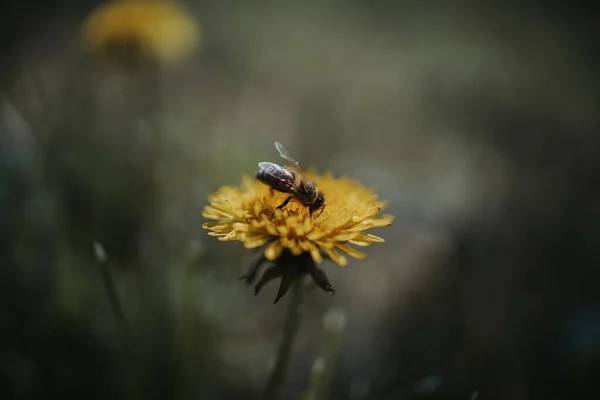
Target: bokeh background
(478, 123)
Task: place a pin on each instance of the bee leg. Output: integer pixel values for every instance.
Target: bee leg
(310, 210)
(285, 202)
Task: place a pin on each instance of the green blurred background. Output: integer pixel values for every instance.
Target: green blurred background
(478, 123)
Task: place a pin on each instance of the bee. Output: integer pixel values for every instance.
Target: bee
(290, 179)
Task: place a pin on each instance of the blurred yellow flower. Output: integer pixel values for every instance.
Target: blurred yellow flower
(161, 30)
(249, 214)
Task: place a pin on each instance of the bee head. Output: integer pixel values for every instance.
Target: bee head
(318, 203)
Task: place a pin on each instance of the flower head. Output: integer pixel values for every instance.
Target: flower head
(250, 214)
(132, 30)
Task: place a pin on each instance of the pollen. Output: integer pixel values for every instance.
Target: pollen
(249, 214)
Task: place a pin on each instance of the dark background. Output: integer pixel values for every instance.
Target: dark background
(478, 123)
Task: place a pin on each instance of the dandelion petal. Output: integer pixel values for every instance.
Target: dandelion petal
(273, 250)
(337, 257)
(351, 251)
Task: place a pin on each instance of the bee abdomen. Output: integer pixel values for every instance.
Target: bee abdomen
(263, 176)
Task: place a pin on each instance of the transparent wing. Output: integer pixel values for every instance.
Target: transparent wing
(286, 155)
(266, 165)
(279, 175)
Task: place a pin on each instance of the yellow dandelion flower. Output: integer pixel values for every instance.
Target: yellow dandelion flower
(131, 30)
(293, 239)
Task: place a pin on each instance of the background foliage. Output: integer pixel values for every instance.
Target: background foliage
(479, 124)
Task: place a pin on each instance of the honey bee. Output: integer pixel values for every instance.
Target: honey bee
(290, 179)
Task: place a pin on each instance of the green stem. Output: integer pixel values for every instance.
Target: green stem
(293, 319)
(113, 299)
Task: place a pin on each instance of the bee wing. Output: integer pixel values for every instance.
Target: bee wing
(265, 165)
(284, 153)
(279, 173)
(274, 169)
